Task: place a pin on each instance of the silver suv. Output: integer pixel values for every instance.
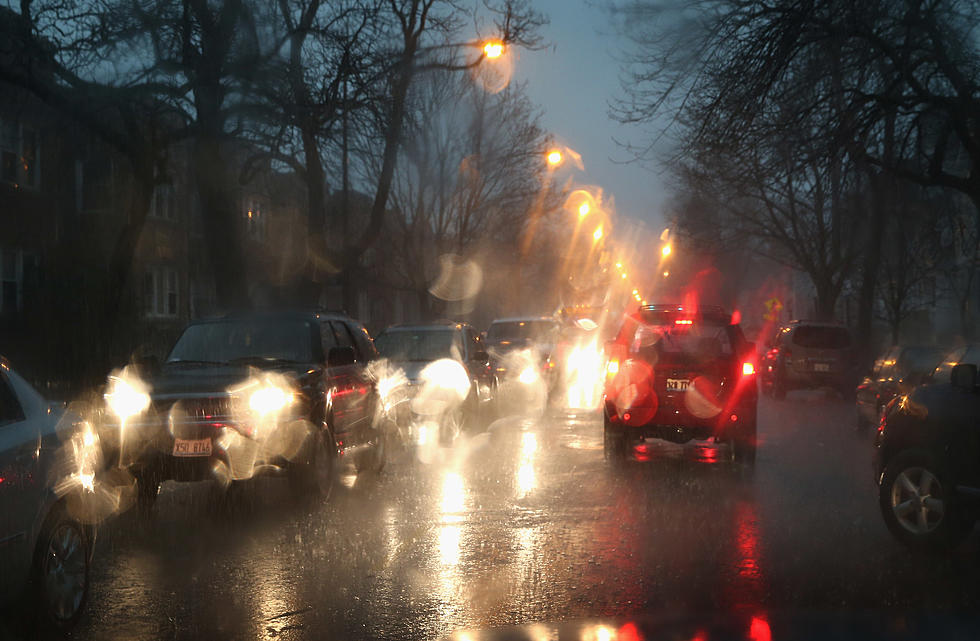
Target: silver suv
(809, 354)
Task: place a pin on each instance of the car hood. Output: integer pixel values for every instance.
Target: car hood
(761, 626)
(178, 380)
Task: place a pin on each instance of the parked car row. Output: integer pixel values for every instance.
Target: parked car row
(283, 393)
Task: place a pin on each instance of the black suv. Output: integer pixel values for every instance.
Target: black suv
(680, 375)
(927, 461)
(248, 394)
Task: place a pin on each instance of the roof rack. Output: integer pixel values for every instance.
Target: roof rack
(671, 307)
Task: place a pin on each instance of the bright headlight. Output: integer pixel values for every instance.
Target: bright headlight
(528, 375)
(269, 399)
(126, 398)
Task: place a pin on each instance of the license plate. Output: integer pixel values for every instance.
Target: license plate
(678, 384)
(192, 447)
(821, 367)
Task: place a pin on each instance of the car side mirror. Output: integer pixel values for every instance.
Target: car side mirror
(480, 356)
(147, 364)
(964, 376)
(340, 356)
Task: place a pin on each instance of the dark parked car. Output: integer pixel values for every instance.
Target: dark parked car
(414, 349)
(45, 538)
(927, 461)
(257, 393)
(900, 369)
(808, 354)
(681, 376)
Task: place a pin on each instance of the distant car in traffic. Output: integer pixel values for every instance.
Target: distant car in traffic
(808, 354)
(682, 376)
(414, 349)
(45, 543)
(926, 461)
(900, 369)
(535, 336)
(250, 394)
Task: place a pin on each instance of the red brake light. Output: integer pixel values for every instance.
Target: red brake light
(748, 369)
(683, 321)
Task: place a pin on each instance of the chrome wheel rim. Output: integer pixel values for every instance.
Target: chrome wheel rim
(65, 571)
(917, 500)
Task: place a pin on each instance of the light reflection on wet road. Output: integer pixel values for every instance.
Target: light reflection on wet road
(525, 523)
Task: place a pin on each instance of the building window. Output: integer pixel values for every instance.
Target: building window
(163, 204)
(254, 219)
(19, 154)
(160, 292)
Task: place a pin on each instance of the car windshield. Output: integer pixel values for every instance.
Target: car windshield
(919, 359)
(418, 345)
(355, 319)
(236, 340)
(817, 337)
(537, 331)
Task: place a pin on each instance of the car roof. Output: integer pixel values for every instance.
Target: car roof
(435, 325)
(278, 314)
(524, 319)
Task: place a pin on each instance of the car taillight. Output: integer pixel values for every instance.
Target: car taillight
(748, 369)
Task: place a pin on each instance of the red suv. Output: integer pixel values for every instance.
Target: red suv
(681, 375)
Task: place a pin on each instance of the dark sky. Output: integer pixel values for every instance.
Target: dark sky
(573, 81)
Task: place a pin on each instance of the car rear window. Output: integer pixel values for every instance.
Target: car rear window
(694, 339)
(822, 337)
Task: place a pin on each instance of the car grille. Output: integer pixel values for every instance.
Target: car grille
(192, 410)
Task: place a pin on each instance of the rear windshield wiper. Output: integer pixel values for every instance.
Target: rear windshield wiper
(191, 361)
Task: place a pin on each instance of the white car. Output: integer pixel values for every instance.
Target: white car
(47, 464)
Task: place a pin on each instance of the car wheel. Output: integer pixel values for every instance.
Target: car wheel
(450, 426)
(613, 442)
(62, 562)
(381, 448)
(318, 475)
(917, 503)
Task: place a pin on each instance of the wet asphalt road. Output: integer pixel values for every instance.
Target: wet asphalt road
(526, 523)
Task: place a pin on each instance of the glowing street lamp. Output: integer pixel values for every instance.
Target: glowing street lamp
(597, 234)
(665, 251)
(583, 210)
(493, 49)
(554, 158)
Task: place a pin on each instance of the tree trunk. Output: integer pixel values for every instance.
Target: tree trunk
(221, 224)
(869, 268)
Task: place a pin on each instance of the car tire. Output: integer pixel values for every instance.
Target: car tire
(613, 442)
(61, 569)
(317, 476)
(450, 426)
(918, 506)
